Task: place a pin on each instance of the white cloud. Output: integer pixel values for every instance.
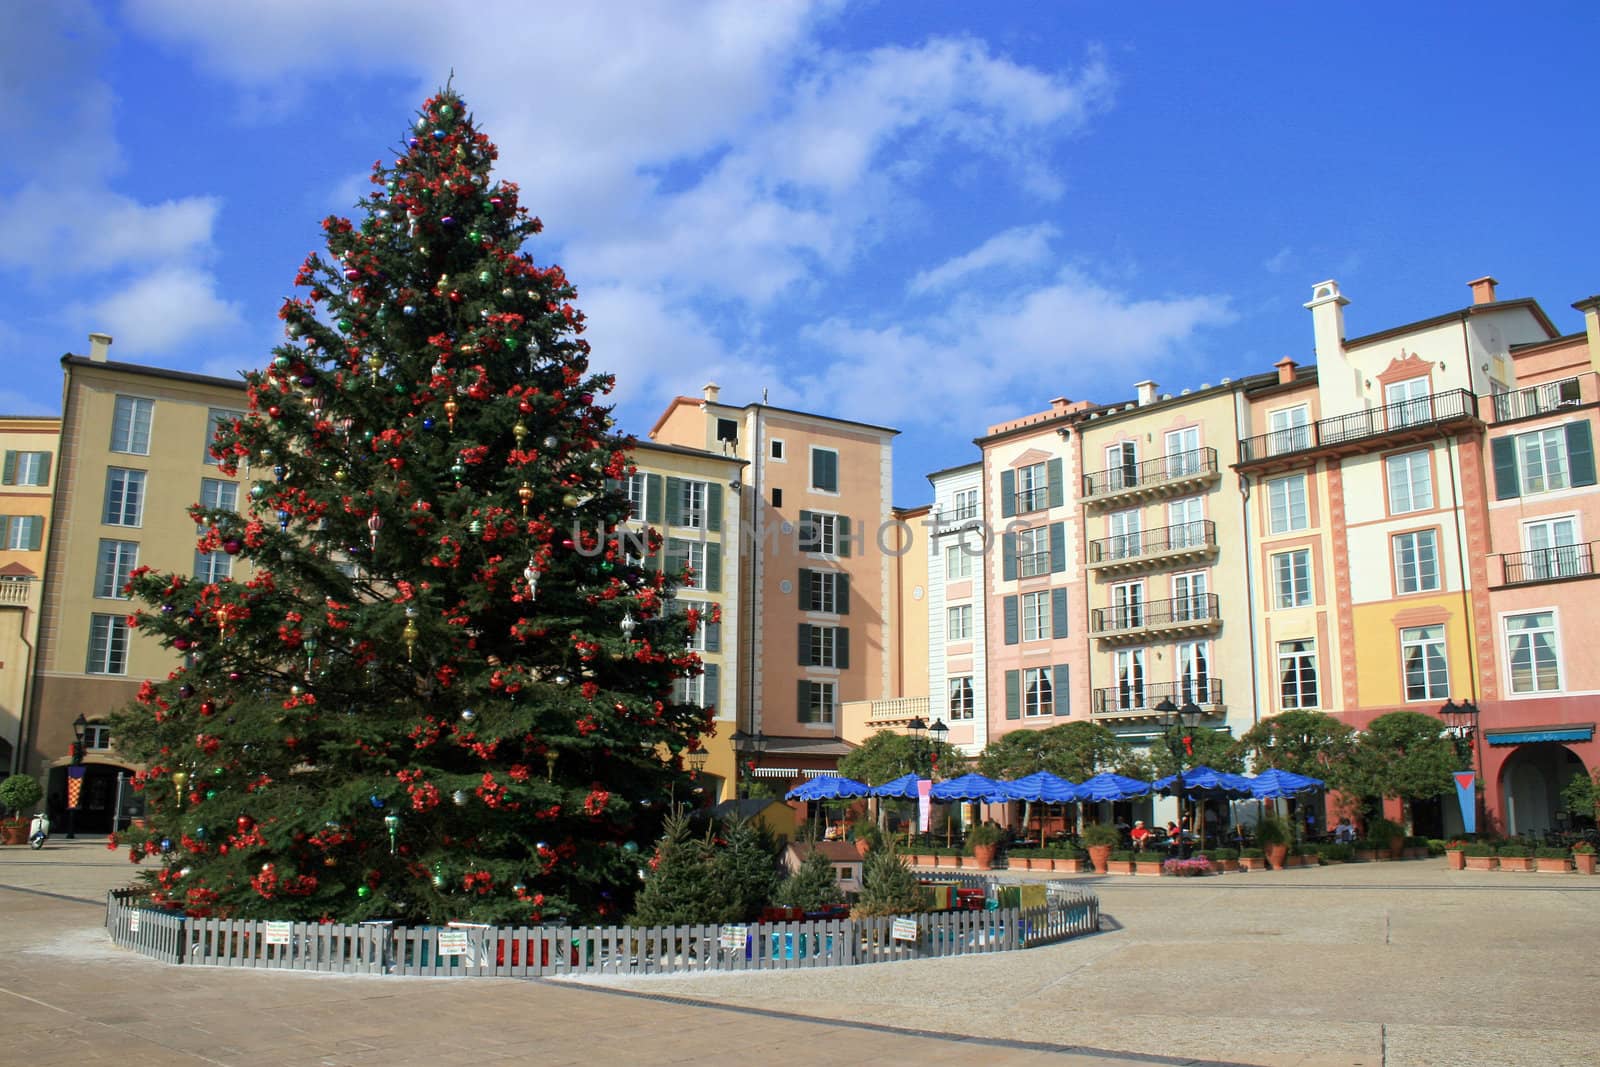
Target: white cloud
(1279, 261)
(160, 310)
(1023, 246)
(59, 229)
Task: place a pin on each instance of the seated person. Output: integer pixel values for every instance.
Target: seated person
(1139, 834)
(1344, 832)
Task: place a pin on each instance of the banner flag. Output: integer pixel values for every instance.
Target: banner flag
(74, 785)
(1469, 801)
(924, 804)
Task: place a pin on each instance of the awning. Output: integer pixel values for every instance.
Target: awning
(1584, 732)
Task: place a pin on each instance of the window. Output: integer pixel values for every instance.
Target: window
(962, 701)
(957, 562)
(1033, 488)
(817, 701)
(117, 560)
(777, 449)
(1416, 561)
(824, 646)
(1531, 650)
(1189, 599)
(1127, 604)
(213, 566)
(638, 489)
(707, 635)
(684, 556)
(728, 430)
(215, 418)
(218, 495)
(124, 497)
(1183, 452)
(690, 689)
(1552, 546)
(1542, 460)
(825, 534)
(958, 623)
(1038, 693)
(692, 505)
(130, 425)
(1123, 526)
(108, 644)
(97, 737)
(825, 470)
(1122, 465)
(1297, 674)
(1130, 678)
(1186, 526)
(1409, 400)
(27, 468)
(1422, 658)
(1286, 504)
(1036, 616)
(1410, 482)
(1033, 551)
(964, 505)
(824, 591)
(777, 498)
(1290, 430)
(1194, 672)
(21, 533)
(1291, 578)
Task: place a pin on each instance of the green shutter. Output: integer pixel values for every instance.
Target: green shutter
(1580, 453)
(674, 501)
(1009, 606)
(1008, 557)
(803, 701)
(841, 647)
(1058, 613)
(677, 556)
(841, 534)
(5, 530)
(1008, 494)
(808, 582)
(11, 468)
(842, 594)
(808, 531)
(1058, 547)
(713, 685)
(44, 468)
(1013, 694)
(713, 631)
(35, 533)
(1057, 487)
(613, 485)
(713, 575)
(714, 506)
(804, 658)
(1060, 691)
(652, 498)
(1505, 468)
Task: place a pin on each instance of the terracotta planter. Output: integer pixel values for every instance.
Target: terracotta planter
(1397, 846)
(1550, 866)
(921, 860)
(1252, 863)
(983, 856)
(13, 832)
(1584, 861)
(1420, 852)
(1516, 863)
(1019, 863)
(1099, 855)
(1455, 859)
(1148, 867)
(863, 846)
(1119, 866)
(1276, 855)
(1481, 863)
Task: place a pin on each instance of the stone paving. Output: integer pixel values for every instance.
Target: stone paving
(1377, 965)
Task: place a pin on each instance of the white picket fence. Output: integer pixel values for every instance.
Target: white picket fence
(530, 952)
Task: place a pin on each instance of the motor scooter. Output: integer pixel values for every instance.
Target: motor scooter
(38, 830)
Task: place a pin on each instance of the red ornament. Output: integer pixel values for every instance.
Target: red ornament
(207, 709)
(245, 822)
(232, 546)
(275, 411)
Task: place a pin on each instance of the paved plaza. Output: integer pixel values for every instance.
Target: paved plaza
(1378, 965)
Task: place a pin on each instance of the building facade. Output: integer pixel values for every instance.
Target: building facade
(29, 445)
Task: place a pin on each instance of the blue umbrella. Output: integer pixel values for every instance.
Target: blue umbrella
(1111, 787)
(903, 786)
(828, 787)
(972, 787)
(1274, 783)
(1042, 787)
(1203, 781)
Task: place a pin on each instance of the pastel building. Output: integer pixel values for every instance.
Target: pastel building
(957, 551)
(28, 445)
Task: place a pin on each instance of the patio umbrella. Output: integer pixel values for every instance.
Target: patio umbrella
(972, 787)
(1042, 787)
(828, 787)
(1111, 787)
(1204, 782)
(1272, 784)
(904, 786)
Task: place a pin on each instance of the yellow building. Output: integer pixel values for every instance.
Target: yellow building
(29, 445)
(133, 459)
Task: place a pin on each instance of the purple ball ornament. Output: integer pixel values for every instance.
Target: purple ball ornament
(448, 220)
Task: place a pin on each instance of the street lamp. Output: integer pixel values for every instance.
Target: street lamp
(1461, 723)
(938, 730)
(1179, 724)
(751, 744)
(915, 729)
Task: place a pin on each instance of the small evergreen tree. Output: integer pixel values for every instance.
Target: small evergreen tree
(680, 887)
(812, 886)
(746, 869)
(889, 887)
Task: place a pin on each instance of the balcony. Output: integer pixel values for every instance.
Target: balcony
(1133, 703)
(1360, 431)
(1132, 623)
(1536, 400)
(1174, 475)
(1187, 542)
(1547, 564)
(18, 592)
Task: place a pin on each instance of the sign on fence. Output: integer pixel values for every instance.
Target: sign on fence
(278, 933)
(453, 943)
(905, 929)
(733, 937)
(133, 921)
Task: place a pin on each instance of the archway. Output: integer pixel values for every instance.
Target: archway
(1531, 781)
(99, 802)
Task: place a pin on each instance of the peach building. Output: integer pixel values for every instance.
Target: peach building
(28, 444)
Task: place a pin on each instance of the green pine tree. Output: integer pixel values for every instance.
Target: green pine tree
(813, 885)
(681, 887)
(444, 692)
(746, 869)
(888, 887)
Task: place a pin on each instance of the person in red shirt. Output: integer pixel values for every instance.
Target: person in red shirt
(1139, 834)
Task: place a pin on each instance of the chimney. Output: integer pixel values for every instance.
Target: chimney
(1483, 289)
(1327, 320)
(1591, 326)
(98, 343)
(1147, 392)
(1286, 368)
(1059, 404)
(711, 391)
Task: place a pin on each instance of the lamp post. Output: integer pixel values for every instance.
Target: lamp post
(1178, 729)
(746, 744)
(80, 727)
(937, 732)
(915, 729)
(1461, 723)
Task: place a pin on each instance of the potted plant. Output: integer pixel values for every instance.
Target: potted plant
(1100, 838)
(1273, 835)
(867, 837)
(1583, 857)
(1552, 860)
(1454, 858)
(982, 842)
(1122, 861)
(1024, 859)
(1389, 836)
(1336, 852)
(1252, 859)
(1224, 859)
(1479, 855)
(1515, 858)
(1071, 860)
(1192, 868)
(18, 795)
(1147, 863)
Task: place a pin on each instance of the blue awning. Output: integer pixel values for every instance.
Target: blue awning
(1549, 733)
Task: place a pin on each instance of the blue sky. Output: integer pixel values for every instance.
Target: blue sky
(932, 215)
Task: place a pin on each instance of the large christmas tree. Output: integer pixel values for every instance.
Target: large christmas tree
(446, 691)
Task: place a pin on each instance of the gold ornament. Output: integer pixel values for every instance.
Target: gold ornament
(450, 409)
(520, 432)
(409, 635)
(570, 500)
(525, 494)
(179, 780)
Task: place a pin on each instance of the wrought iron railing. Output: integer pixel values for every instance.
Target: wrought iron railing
(1202, 533)
(1537, 400)
(1199, 608)
(1206, 692)
(1548, 564)
(1175, 467)
(1431, 410)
